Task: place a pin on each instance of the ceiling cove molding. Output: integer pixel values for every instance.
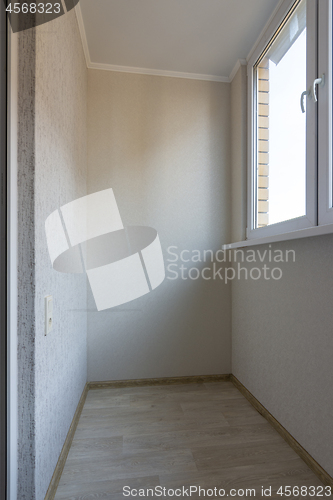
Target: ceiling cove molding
(158, 72)
(82, 30)
(239, 63)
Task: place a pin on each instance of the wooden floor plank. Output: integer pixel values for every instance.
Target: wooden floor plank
(103, 490)
(92, 448)
(201, 437)
(127, 465)
(214, 458)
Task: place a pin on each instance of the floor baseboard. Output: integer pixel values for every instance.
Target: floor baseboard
(195, 379)
(304, 455)
(50, 494)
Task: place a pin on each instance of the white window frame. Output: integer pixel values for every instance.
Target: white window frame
(325, 136)
(310, 220)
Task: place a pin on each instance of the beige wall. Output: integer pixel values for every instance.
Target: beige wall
(282, 343)
(163, 145)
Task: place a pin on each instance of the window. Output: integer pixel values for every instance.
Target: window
(290, 104)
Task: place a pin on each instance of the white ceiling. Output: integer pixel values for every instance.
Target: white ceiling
(204, 37)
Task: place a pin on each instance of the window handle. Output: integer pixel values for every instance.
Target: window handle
(312, 92)
(304, 94)
(318, 81)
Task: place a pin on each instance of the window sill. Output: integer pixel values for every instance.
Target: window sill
(292, 235)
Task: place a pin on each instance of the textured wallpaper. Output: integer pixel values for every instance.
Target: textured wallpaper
(26, 270)
(163, 145)
(60, 176)
(287, 328)
(54, 367)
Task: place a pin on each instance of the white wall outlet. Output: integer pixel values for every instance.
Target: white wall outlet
(48, 313)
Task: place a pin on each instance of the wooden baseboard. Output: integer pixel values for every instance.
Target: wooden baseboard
(305, 456)
(50, 494)
(196, 379)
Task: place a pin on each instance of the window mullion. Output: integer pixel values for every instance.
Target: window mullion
(325, 183)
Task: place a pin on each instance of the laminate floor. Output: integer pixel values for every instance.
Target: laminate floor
(201, 435)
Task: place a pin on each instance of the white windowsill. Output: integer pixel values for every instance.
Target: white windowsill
(293, 235)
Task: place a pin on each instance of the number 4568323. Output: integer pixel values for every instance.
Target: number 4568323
(33, 8)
